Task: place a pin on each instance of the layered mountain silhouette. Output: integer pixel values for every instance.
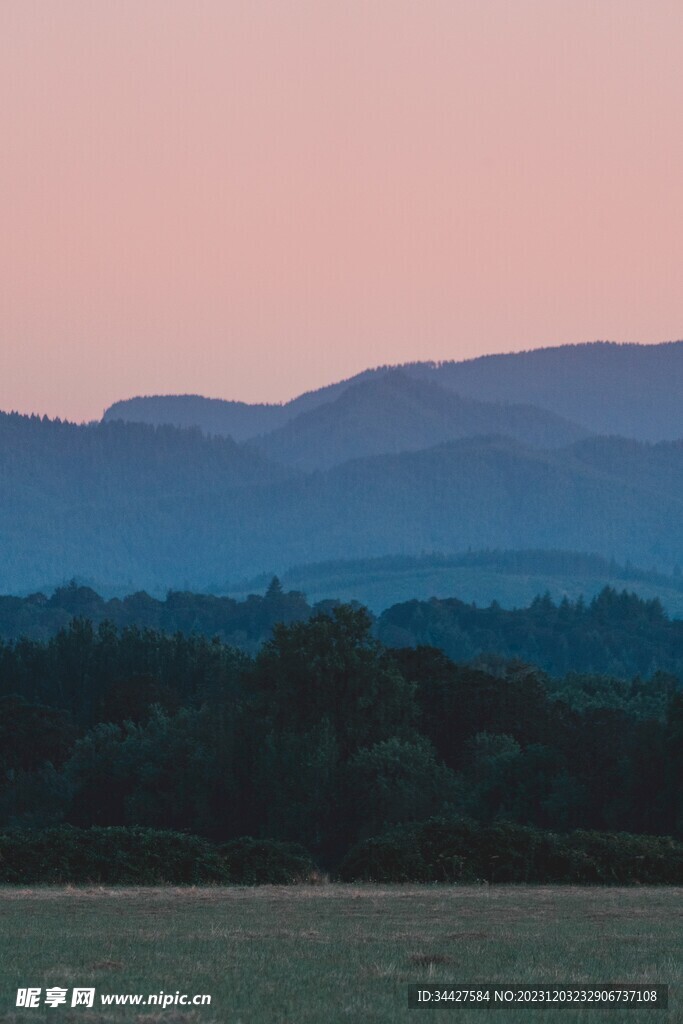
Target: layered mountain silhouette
(632, 390)
(506, 452)
(238, 420)
(168, 507)
(393, 412)
(511, 578)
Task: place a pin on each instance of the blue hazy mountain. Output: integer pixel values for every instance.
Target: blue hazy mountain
(632, 390)
(606, 388)
(167, 507)
(511, 578)
(394, 412)
(573, 448)
(238, 420)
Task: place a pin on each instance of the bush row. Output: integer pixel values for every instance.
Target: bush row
(435, 851)
(143, 856)
(465, 851)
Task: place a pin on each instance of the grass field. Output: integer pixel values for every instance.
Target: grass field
(330, 954)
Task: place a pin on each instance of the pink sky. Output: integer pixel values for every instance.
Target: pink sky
(250, 198)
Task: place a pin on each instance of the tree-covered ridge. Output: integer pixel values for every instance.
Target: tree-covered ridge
(244, 624)
(153, 508)
(394, 412)
(615, 633)
(324, 737)
(114, 462)
(512, 578)
(608, 388)
(214, 416)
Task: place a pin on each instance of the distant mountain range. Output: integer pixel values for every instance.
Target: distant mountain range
(160, 507)
(507, 452)
(631, 390)
(394, 412)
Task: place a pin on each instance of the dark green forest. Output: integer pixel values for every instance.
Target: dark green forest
(241, 736)
(325, 737)
(243, 624)
(615, 634)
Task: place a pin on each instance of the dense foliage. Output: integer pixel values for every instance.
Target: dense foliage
(248, 861)
(244, 624)
(438, 850)
(464, 851)
(324, 738)
(616, 633)
(144, 856)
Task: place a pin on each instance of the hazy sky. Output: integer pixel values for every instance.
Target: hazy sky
(250, 198)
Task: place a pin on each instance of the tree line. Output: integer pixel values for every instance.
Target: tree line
(243, 624)
(616, 634)
(324, 737)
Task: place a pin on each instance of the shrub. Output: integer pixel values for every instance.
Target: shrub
(464, 851)
(131, 856)
(250, 861)
(145, 856)
(395, 857)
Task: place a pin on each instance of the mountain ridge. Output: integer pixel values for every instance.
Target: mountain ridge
(395, 412)
(162, 507)
(606, 387)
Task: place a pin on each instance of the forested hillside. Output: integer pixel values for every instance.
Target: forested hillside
(238, 420)
(615, 634)
(166, 508)
(511, 578)
(632, 390)
(393, 413)
(244, 624)
(102, 463)
(104, 499)
(325, 737)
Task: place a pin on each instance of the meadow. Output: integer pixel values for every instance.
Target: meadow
(332, 953)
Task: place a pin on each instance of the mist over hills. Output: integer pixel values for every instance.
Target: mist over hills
(393, 412)
(510, 578)
(632, 390)
(606, 388)
(166, 507)
(214, 416)
(98, 497)
(108, 461)
(504, 452)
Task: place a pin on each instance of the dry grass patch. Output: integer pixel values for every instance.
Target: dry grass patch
(330, 953)
(430, 959)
